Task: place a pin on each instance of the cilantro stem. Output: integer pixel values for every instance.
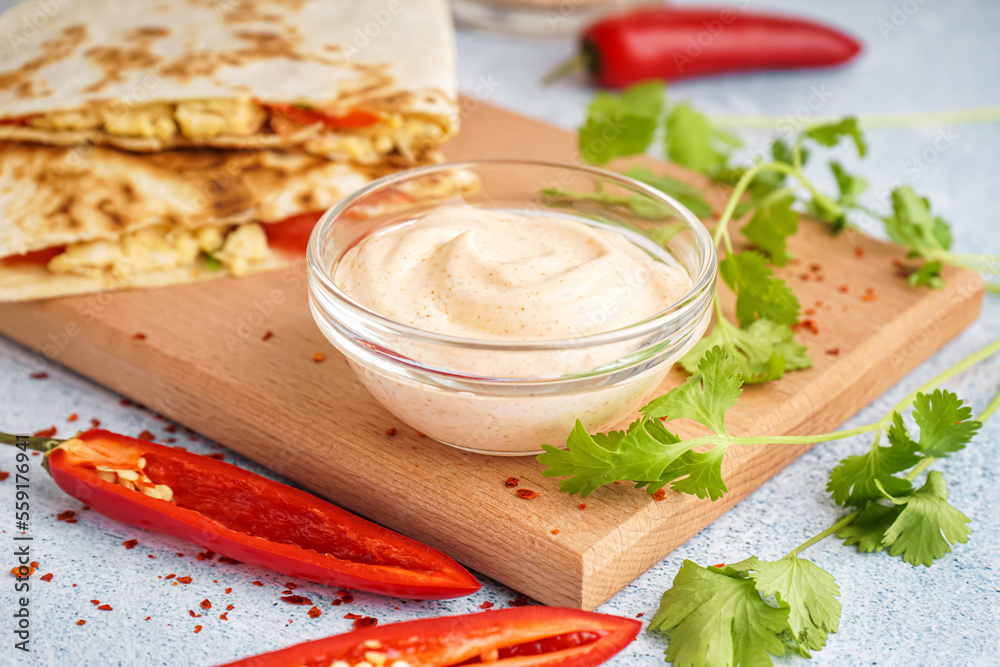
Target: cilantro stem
(722, 229)
(872, 122)
(990, 409)
(993, 288)
(846, 521)
(921, 466)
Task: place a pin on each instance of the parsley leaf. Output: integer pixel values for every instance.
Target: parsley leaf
(704, 398)
(928, 526)
(868, 529)
(946, 424)
(692, 141)
(682, 192)
(763, 351)
(854, 481)
(772, 223)
(830, 134)
(715, 616)
(758, 294)
(621, 125)
(808, 592)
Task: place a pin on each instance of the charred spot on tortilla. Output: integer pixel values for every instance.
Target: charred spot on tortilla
(146, 33)
(53, 51)
(116, 60)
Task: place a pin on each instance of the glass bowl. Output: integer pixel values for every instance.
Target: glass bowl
(508, 397)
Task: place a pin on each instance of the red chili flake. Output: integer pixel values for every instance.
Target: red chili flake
(351, 617)
(4, 475)
(170, 576)
(139, 336)
(197, 629)
(318, 357)
(296, 599)
(660, 495)
(105, 607)
(291, 586)
(16, 571)
(640, 614)
(169, 441)
(844, 288)
(170, 428)
(147, 618)
(130, 544)
(81, 622)
(95, 602)
(46, 577)
(147, 436)
(184, 580)
(229, 607)
(224, 616)
(95, 422)
(365, 622)
(520, 601)
(34, 564)
(38, 376)
(337, 603)
(512, 482)
(193, 615)
(555, 531)
(45, 433)
(809, 325)
(268, 335)
(810, 311)
(314, 612)
(256, 583)
(124, 402)
(820, 279)
(805, 277)
(869, 297)
(150, 556)
(527, 494)
(420, 435)
(205, 555)
(486, 605)
(218, 456)
(286, 592)
(72, 418)
(228, 591)
(833, 351)
(815, 267)
(719, 565)
(859, 252)
(226, 559)
(205, 604)
(390, 431)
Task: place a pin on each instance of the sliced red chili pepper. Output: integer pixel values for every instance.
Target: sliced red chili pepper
(674, 43)
(522, 637)
(37, 257)
(245, 516)
(292, 234)
(304, 115)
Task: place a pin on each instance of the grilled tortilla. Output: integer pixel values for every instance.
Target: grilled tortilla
(85, 219)
(362, 81)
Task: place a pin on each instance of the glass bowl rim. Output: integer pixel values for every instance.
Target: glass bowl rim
(705, 277)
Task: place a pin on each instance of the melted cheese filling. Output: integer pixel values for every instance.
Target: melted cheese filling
(237, 248)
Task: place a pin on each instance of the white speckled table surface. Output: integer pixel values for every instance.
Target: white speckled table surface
(921, 56)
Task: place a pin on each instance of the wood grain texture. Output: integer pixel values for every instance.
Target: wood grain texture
(205, 364)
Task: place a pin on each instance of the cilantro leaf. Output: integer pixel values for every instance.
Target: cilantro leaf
(928, 275)
(946, 424)
(682, 192)
(763, 351)
(853, 481)
(850, 187)
(912, 226)
(692, 142)
(715, 616)
(928, 526)
(591, 462)
(808, 591)
(772, 223)
(212, 261)
(621, 125)
(698, 473)
(868, 529)
(830, 134)
(642, 205)
(704, 398)
(758, 294)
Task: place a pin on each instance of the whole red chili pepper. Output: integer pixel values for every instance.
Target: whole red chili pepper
(518, 637)
(673, 43)
(244, 516)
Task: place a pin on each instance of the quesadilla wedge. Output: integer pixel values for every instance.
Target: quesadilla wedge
(362, 81)
(92, 218)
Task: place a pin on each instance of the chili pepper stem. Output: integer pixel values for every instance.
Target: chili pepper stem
(43, 445)
(565, 68)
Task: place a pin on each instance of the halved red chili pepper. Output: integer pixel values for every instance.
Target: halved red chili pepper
(304, 115)
(673, 43)
(245, 516)
(518, 637)
(292, 234)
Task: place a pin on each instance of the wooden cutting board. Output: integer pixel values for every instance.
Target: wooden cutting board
(204, 364)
